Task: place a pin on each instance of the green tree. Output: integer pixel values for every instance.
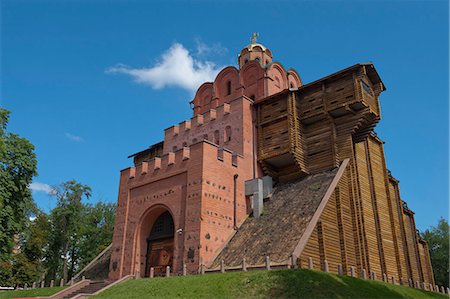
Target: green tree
(66, 225)
(97, 231)
(438, 241)
(17, 168)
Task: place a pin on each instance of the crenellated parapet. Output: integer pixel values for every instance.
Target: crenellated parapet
(223, 125)
(179, 161)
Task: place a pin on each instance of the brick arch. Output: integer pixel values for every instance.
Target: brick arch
(203, 96)
(143, 229)
(276, 70)
(250, 74)
(228, 74)
(294, 78)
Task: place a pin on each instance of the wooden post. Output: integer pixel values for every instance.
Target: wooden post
(83, 277)
(72, 281)
(352, 271)
(244, 265)
(267, 262)
(373, 275)
(448, 290)
(340, 270)
(222, 266)
(310, 263)
(385, 277)
(326, 268)
(431, 287)
(51, 283)
(436, 288)
(442, 290)
(25, 286)
(184, 269)
(42, 284)
(167, 271)
(152, 272)
(393, 280)
(417, 285)
(202, 269)
(294, 262)
(401, 281)
(61, 282)
(364, 274)
(34, 285)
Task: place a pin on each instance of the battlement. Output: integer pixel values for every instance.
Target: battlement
(180, 158)
(198, 120)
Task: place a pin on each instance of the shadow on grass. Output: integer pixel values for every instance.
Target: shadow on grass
(314, 284)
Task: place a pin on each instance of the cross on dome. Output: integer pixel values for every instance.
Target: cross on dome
(254, 36)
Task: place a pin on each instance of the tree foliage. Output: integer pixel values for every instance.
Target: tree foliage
(438, 241)
(17, 169)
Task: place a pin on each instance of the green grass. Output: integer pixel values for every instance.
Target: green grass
(30, 293)
(262, 284)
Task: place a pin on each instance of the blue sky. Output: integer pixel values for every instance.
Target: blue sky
(70, 72)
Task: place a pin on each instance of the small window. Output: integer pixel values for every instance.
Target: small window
(252, 97)
(227, 134)
(194, 140)
(228, 88)
(366, 88)
(205, 137)
(267, 61)
(184, 144)
(257, 59)
(246, 61)
(292, 85)
(216, 137)
(174, 148)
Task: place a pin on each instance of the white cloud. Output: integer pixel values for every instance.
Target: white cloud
(41, 187)
(73, 137)
(176, 67)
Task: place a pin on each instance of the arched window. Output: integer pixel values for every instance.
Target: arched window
(227, 134)
(216, 137)
(162, 228)
(257, 59)
(292, 85)
(228, 88)
(252, 97)
(174, 148)
(184, 144)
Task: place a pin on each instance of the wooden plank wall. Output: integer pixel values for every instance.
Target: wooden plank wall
(273, 129)
(410, 232)
(311, 250)
(371, 230)
(404, 269)
(426, 262)
(381, 195)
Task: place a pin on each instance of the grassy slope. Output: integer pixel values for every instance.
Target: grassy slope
(30, 293)
(262, 284)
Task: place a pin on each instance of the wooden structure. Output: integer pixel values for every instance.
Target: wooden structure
(365, 224)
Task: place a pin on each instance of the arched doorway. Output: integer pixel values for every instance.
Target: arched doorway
(160, 245)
